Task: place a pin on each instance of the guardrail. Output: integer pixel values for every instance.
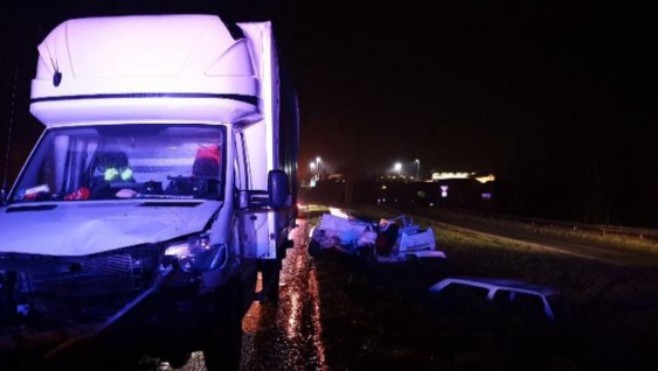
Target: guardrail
(597, 228)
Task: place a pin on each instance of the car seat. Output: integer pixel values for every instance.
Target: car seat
(206, 162)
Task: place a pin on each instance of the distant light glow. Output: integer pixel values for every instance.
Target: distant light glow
(384, 186)
(315, 166)
(444, 190)
(486, 195)
(397, 169)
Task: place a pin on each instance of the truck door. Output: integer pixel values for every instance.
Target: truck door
(246, 219)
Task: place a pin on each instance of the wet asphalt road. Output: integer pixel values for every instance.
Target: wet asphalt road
(287, 336)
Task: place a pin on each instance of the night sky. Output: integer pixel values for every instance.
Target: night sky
(557, 93)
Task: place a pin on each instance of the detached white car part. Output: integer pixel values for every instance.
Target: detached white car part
(350, 235)
(505, 289)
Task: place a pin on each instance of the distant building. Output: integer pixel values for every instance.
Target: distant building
(442, 175)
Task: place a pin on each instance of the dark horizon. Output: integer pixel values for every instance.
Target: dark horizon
(556, 99)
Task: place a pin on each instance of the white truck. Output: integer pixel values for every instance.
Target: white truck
(161, 190)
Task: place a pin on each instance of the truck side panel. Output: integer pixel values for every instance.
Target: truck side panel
(277, 134)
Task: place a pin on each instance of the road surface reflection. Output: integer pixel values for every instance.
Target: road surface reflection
(287, 336)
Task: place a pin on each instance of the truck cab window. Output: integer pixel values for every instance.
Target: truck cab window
(125, 161)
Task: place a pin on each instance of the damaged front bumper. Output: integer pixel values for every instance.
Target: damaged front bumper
(49, 304)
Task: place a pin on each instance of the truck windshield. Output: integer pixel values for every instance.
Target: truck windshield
(125, 161)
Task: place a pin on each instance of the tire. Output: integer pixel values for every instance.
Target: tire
(314, 249)
(223, 347)
(271, 271)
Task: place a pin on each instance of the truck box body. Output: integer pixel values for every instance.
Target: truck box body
(180, 67)
(170, 144)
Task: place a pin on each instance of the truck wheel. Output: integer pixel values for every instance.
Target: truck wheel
(223, 347)
(314, 249)
(271, 271)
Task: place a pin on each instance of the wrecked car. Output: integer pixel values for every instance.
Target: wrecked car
(392, 240)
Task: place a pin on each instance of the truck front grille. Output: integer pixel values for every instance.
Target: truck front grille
(58, 290)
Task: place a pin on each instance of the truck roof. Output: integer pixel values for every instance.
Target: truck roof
(146, 68)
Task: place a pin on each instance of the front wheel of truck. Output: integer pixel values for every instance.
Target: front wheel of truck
(224, 344)
(271, 271)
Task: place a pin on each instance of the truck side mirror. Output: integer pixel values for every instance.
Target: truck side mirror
(278, 188)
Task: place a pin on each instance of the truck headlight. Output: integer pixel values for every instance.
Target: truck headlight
(197, 253)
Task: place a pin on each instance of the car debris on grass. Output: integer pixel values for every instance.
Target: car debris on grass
(392, 240)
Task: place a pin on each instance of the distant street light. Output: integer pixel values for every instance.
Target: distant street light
(398, 168)
(317, 167)
(313, 166)
(417, 161)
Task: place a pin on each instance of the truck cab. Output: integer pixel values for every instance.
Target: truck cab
(163, 183)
